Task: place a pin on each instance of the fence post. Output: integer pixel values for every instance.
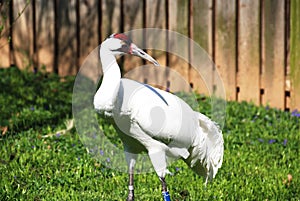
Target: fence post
(249, 51)
(225, 41)
(5, 33)
(295, 54)
(273, 69)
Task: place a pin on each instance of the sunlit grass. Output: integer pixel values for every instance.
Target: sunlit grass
(261, 152)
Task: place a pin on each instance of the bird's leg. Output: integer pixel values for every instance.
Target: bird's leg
(165, 191)
(130, 186)
(131, 162)
(163, 184)
(156, 152)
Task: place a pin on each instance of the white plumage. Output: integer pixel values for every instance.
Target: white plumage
(153, 120)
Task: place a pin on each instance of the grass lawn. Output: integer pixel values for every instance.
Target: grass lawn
(261, 160)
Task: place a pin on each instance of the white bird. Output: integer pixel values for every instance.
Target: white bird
(152, 120)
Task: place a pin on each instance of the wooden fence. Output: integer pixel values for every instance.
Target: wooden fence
(254, 44)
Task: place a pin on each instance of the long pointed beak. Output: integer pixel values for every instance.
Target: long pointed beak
(140, 53)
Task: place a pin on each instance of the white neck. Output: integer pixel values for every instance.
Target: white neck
(106, 95)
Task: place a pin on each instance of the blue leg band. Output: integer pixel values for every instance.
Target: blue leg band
(166, 196)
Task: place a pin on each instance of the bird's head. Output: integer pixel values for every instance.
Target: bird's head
(120, 44)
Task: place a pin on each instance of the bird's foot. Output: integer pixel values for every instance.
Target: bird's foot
(108, 114)
(130, 196)
(169, 173)
(163, 173)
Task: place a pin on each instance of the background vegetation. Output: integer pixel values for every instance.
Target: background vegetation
(261, 159)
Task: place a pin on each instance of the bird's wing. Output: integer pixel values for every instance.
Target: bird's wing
(157, 93)
(161, 115)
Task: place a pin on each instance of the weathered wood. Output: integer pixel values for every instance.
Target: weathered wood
(133, 14)
(22, 36)
(295, 55)
(111, 18)
(133, 19)
(202, 19)
(264, 78)
(178, 22)
(45, 34)
(248, 51)
(66, 36)
(225, 41)
(4, 35)
(88, 27)
(273, 70)
(89, 12)
(156, 18)
(202, 35)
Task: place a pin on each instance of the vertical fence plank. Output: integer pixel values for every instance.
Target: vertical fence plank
(133, 14)
(66, 36)
(295, 55)
(88, 27)
(178, 21)
(225, 41)
(34, 41)
(156, 18)
(22, 34)
(89, 23)
(248, 51)
(273, 70)
(45, 34)
(111, 18)
(133, 19)
(202, 33)
(203, 24)
(4, 35)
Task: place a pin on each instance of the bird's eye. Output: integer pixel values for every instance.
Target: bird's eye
(124, 48)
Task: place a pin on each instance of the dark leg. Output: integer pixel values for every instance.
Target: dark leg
(165, 192)
(163, 184)
(130, 187)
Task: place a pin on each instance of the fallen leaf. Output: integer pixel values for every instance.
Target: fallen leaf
(4, 129)
(290, 178)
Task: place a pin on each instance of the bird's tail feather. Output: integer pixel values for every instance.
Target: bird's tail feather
(206, 153)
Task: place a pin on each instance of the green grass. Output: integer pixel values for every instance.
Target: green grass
(261, 149)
